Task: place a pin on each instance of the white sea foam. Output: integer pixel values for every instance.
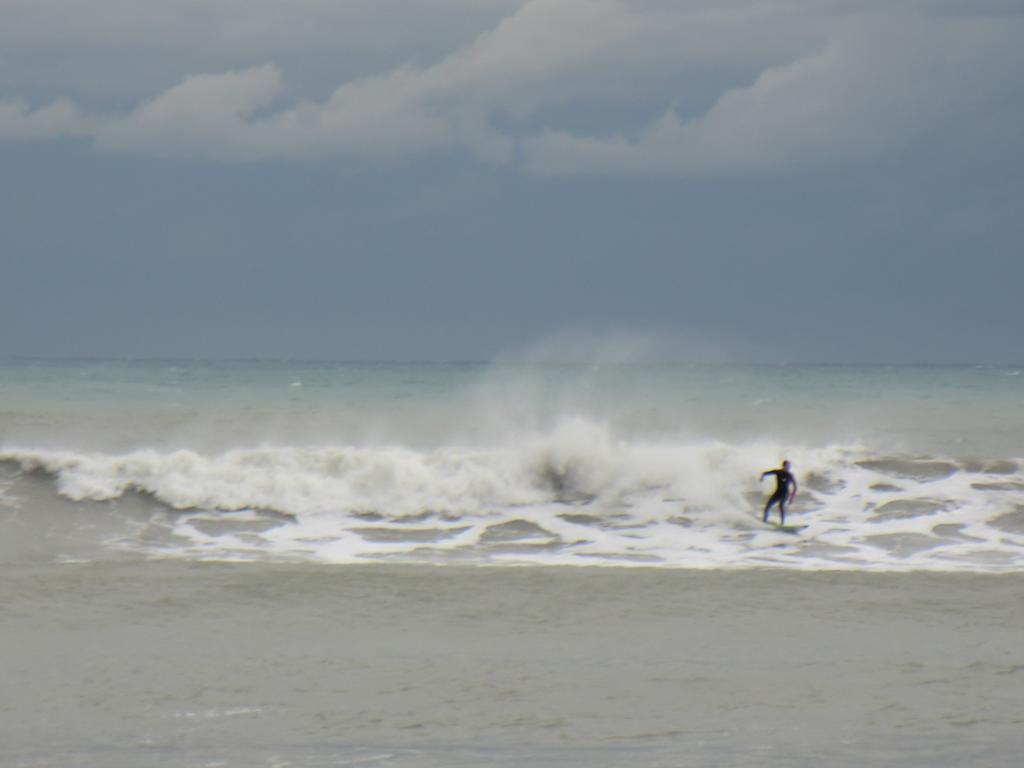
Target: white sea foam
(574, 494)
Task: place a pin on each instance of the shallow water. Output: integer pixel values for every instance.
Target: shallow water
(178, 663)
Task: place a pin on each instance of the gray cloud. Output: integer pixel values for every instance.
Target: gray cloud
(878, 85)
(115, 52)
(205, 115)
(832, 83)
(60, 118)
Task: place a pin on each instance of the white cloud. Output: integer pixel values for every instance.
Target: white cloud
(796, 84)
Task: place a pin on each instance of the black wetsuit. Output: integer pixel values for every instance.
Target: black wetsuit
(783, 480)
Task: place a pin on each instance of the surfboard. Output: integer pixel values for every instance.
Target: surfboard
(787, 528)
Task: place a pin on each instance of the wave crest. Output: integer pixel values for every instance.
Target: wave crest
(577, 494)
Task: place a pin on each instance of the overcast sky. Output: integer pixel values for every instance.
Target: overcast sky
(454, 179)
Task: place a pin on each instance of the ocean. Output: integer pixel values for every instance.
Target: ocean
(255, 563)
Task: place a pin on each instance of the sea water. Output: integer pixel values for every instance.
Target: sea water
(899, 468)
(287, 563)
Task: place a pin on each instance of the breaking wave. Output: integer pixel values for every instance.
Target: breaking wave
(576, 494)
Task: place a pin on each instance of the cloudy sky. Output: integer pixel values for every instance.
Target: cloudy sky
(452, 179)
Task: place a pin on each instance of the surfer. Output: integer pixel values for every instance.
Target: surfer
(785, 491)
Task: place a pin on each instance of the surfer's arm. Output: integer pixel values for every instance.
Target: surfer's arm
(792, 494)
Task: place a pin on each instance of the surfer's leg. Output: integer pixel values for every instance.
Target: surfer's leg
(768, 506)
(782, 509)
